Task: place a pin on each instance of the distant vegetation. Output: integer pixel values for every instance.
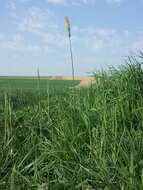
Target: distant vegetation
(66, 139)
(26, 91)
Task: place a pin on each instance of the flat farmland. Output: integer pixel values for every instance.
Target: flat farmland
(24, 91)
(33, 83)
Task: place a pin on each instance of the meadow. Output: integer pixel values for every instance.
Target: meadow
(25, 91)
(53, 137)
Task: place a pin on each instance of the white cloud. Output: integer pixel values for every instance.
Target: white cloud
(71, 2)
(108, 40)
(59, 2)
(42, 23)
(115, 1)
(17, 43)
(12, 3)
(81, 2)
(37, 19)
(23, 1)
(95, 38)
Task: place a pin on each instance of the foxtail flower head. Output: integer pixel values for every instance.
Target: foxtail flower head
(67, 25)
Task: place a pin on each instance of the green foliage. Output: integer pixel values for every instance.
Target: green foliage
(83, 139)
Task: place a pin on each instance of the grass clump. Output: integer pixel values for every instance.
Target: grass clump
(86, 139)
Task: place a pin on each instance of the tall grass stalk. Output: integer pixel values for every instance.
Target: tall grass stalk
(68, 27)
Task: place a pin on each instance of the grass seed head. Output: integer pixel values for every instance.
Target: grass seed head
(67, 25)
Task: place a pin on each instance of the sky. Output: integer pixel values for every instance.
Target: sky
(33, 35)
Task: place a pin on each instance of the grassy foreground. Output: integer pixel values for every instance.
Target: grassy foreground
(89, 139)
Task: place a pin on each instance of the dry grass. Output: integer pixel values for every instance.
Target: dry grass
(84, 81)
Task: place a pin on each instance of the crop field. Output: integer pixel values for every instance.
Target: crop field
(33, 83)
(28, 90)
(53, 137)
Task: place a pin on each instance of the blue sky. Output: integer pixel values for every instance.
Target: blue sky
(33, 35)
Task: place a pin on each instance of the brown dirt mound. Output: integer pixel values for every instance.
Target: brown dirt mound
(84, 81)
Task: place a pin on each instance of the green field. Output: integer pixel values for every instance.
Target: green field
(33, 83)
(53, 137)
(25, 91)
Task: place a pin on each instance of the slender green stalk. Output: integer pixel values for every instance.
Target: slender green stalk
(71, 53)
(68, 27)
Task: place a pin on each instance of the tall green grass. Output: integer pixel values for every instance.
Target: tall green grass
(84, 139)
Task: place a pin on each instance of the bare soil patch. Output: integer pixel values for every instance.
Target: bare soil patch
(84, 81)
